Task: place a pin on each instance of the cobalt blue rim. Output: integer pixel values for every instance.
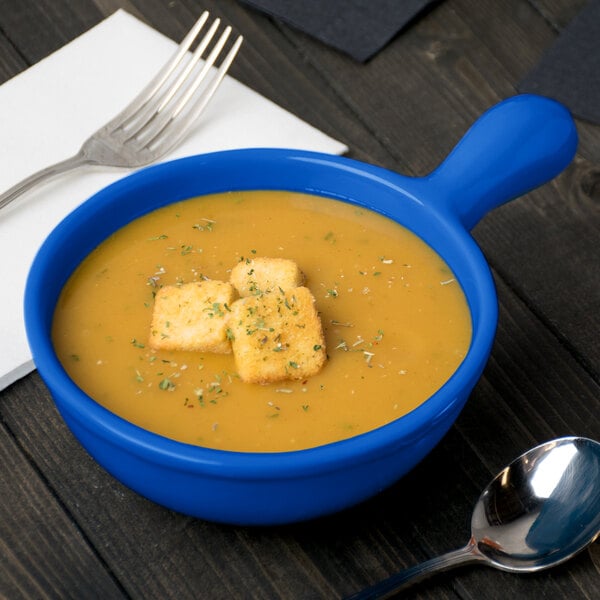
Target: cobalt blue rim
(315, 173)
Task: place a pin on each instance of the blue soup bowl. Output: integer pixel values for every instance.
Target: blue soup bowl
(517, 145)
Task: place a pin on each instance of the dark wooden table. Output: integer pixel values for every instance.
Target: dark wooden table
(69, 530)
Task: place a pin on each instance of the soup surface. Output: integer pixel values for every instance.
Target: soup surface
(395, 320)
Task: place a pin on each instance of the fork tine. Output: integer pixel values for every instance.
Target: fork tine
(149, 111)
(204, 99)
(159, 79)
(150, 130)
(112, 145)
(210, 61)
(192, 62)
(177, 126)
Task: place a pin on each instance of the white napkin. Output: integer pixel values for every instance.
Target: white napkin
(46, 113)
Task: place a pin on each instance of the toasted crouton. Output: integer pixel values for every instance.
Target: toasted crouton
(192, 316)
(277, 336)
(261, 275)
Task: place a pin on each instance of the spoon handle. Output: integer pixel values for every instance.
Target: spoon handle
(410, 576)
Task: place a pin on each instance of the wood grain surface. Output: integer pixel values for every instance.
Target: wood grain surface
(69, 530)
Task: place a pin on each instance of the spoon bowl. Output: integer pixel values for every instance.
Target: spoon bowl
(538, 512)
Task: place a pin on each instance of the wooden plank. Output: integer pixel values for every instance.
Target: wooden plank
(45, 26)
(42, 553)
(273, 67)
(517, 404)
(153, 552)
(157, 552)
(558, 13)
(429, 84)
(438, 78)
(10, 62)
(525, 243)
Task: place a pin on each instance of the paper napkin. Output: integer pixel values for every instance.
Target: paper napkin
(359, 28)
(46, 113)
(569, 71)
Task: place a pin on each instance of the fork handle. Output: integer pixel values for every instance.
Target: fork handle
(42, 176)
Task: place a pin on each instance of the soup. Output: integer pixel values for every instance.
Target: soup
(395, 321)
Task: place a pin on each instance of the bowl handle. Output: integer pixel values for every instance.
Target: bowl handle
(514, 147)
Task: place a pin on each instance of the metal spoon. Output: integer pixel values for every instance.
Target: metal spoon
(538, 512)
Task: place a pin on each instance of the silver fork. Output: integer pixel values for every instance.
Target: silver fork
(158, 117)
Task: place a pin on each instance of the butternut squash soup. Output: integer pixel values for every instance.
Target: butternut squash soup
(393, 320)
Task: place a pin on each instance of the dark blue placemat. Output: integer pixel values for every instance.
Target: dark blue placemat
(359, 28)
(570, 69)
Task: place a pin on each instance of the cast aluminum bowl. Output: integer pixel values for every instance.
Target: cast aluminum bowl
(517, 145)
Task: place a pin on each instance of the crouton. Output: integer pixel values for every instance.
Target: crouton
(276, 336)
(261, 275)
(192, 317)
